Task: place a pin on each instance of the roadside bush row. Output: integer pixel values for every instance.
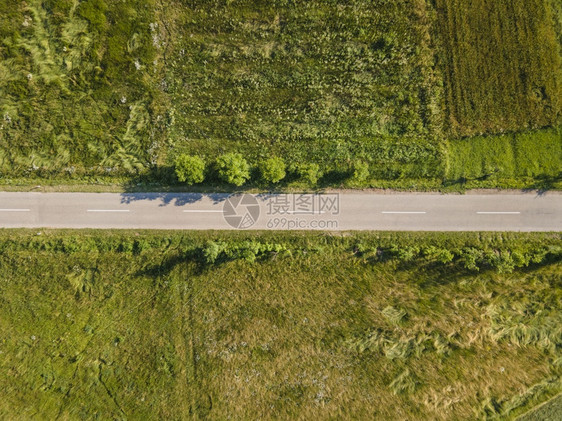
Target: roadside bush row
(503, 255)
(97, 244)
(234, 169)
(470, 258)
(209, 252)
(215, 252)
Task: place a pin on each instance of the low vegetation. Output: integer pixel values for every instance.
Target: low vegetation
(96, 91)
(278, 325)
(232, 168)
(77, 95)
(190, 169)
(522, 160)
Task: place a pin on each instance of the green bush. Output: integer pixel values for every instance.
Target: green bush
(190, 169)
(273, 170)
(212, 251)
(405, 253)
(437, 254)
(219, 251)
(233, 168)
(360, 171)
(309, 172)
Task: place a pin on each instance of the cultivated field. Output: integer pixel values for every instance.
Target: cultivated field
(378, 326)
(100, 92)
(501, 65)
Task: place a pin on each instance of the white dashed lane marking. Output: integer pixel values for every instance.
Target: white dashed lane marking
(498, 213)
(108, 210)
(15, 210)
(403, 213)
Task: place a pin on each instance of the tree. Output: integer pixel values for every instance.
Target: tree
(233, 168)
(273, 170)
(190, 169)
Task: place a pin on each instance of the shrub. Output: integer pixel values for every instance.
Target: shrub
(471, 258)
(126, 246)
(273, 170)
(233, 168)
(360, 171)
(212, 251)
(520, 259)
(502, 262)
(141, 245)
(190, 169)
(438, 255)
(405, 253)
(219, 251)
(309, 172)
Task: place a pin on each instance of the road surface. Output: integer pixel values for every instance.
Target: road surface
(343, 211)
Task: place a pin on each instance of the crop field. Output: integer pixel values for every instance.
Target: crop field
(502, 68)
(100, 91)
(281, 76)
(379, 326)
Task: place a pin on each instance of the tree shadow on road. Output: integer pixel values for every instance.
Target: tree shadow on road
(175, 199)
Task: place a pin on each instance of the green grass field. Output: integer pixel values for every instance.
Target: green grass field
(549, 411)
(521, 160)
(277, 325)
(99, 90)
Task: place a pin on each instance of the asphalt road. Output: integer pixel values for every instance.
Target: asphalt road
(343, 211)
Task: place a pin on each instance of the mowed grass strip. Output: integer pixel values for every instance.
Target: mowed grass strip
(524, 158)
(133, 325)
(501, 65)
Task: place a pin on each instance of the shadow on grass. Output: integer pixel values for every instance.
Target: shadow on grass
(458, 184)
(455, 272)
(438, 274)
(546, 183)
(166, 266)
(334, 178)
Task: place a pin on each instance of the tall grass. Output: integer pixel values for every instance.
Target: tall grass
(140, 325)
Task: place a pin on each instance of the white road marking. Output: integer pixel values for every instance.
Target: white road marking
(304, 213)
(203, 211)
(498, 213)
(109, 210)
(15, 210)
(402, 213)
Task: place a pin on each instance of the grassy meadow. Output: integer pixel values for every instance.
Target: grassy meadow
(98, 91)
(277, 325)
(76, 95)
